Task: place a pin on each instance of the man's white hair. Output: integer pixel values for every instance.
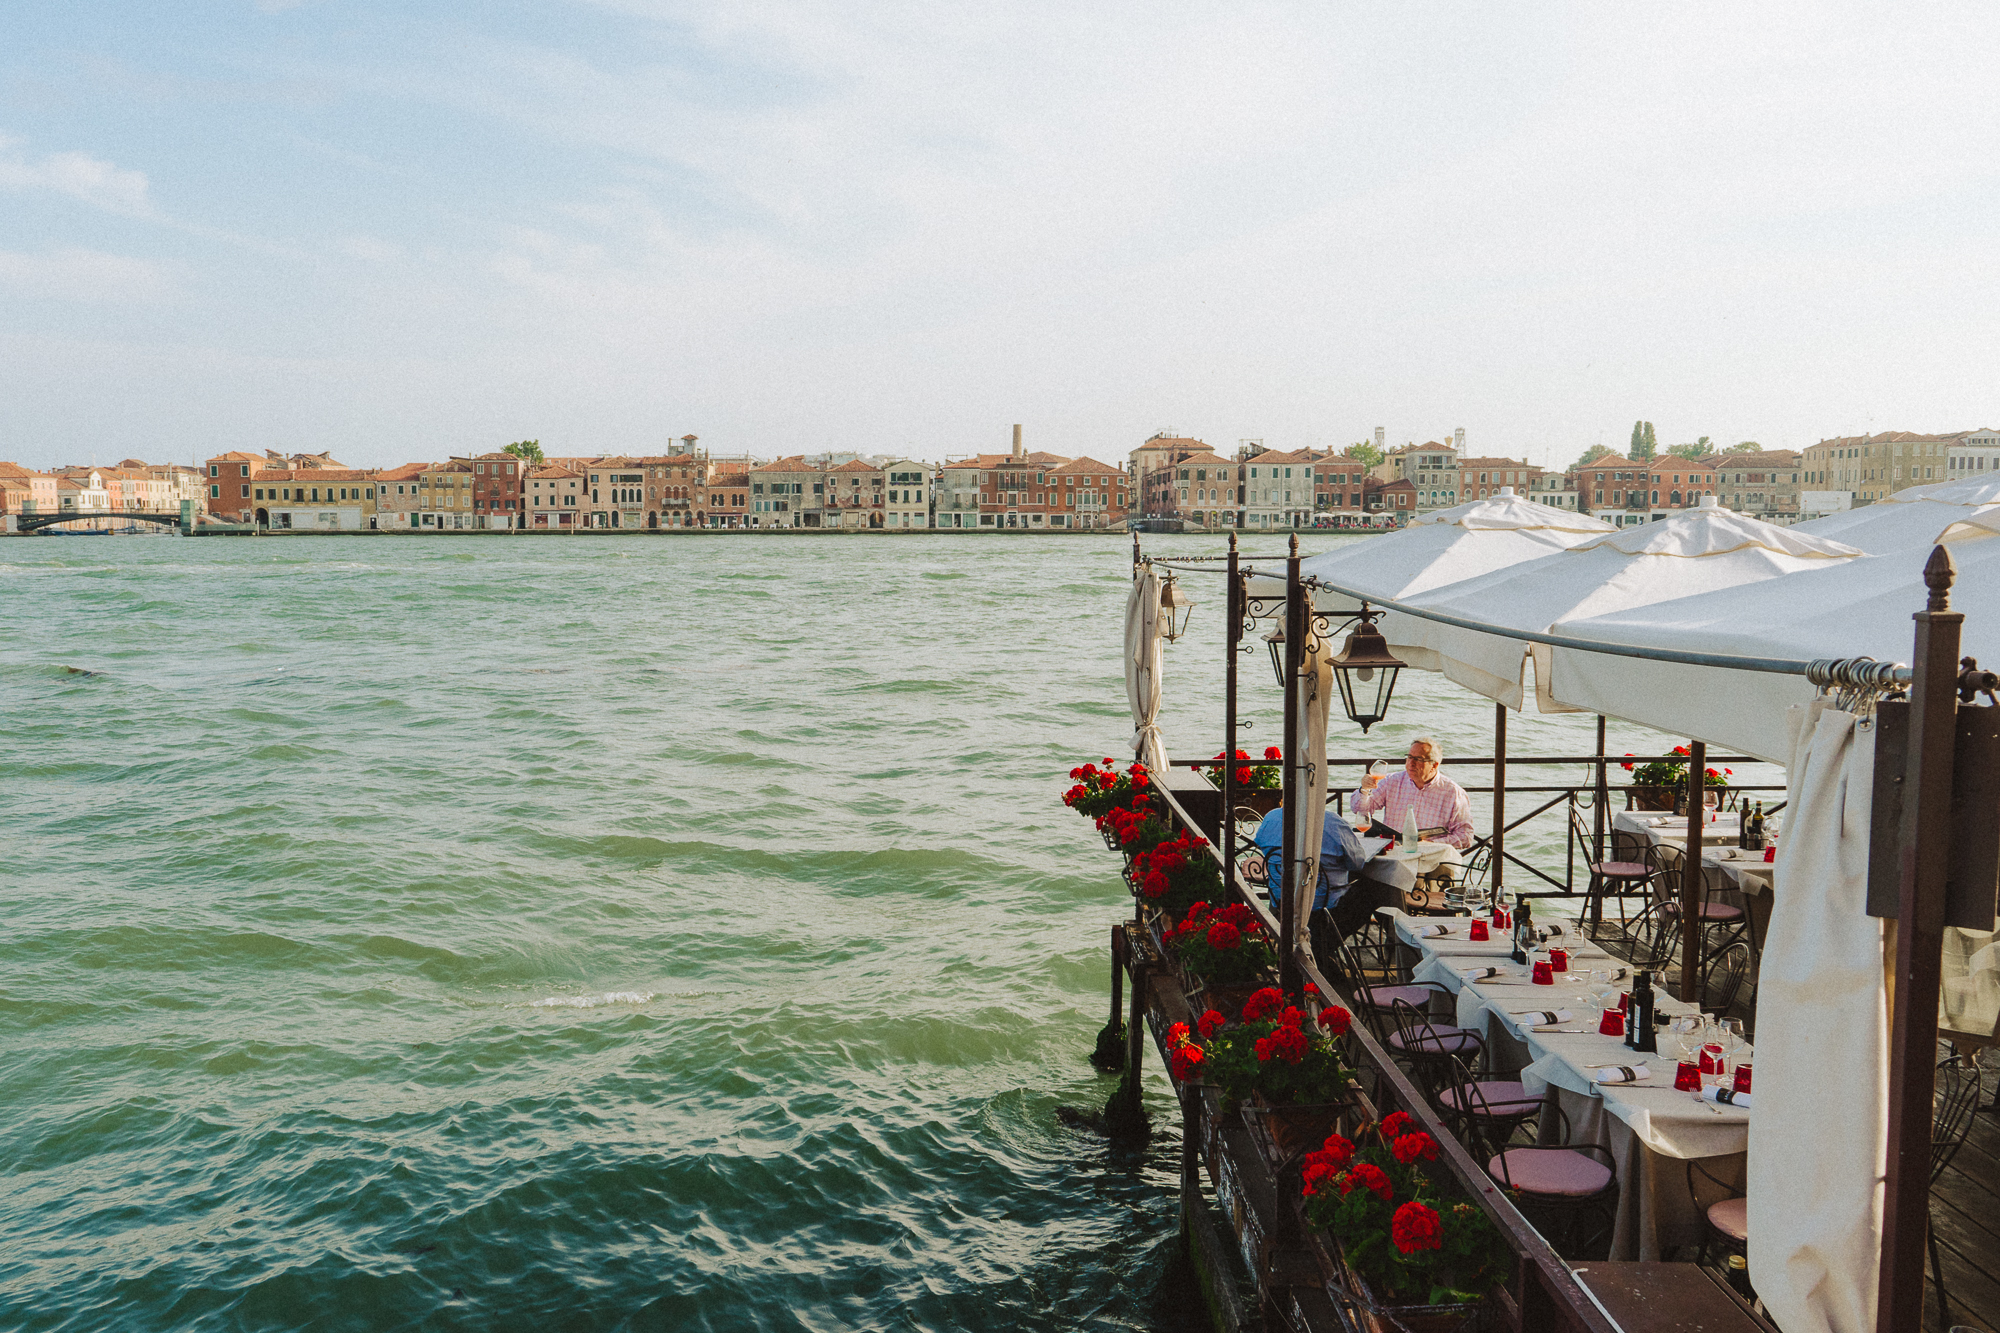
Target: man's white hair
(1437, 751)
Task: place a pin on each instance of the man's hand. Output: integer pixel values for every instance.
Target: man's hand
(1368, 783)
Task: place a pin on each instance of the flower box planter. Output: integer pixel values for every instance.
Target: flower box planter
(1296, 1129)
(1380, 1314)
(1654, 798)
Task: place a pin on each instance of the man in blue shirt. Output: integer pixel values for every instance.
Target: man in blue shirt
(1341, 857)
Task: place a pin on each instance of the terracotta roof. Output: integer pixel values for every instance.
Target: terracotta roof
(552, 470)
(1768, 458)
(16, 470)
(855, 466)
(238, 456)
(404, 472)
(1490, 463)
(1089, 465)
(791, 463)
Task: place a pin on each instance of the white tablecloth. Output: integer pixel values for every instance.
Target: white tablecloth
(1400, 868)
(1637, 1123)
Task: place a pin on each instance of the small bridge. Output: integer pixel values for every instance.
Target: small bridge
(36, 522)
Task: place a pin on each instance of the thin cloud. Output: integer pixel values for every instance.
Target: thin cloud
(77, 176)
(73, 274)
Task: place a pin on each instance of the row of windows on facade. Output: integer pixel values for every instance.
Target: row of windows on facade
(286, 492)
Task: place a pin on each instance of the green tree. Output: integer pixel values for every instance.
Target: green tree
(1699, 449)
(1592, 454)
(1644, 445)
(1367, 453)
(528, 449)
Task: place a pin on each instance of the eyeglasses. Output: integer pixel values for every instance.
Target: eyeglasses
(1420, 759)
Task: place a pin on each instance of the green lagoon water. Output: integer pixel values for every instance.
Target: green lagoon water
(565, 933)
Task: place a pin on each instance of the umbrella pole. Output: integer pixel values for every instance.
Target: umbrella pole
(1691, 923)
(1920, 920)
(1499, 858)
(1232, 635)
(1288, 934)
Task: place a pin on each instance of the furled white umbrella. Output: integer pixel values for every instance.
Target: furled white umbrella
(1474, 538)
(1698, 550)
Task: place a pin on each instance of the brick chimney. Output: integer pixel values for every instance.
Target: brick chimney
(1458, 439)
(1017, 442)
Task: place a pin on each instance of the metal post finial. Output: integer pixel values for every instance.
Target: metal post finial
(1940, 571)
(1232, 539)
(1295, 544)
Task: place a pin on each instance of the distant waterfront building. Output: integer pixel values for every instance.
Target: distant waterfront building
(908, 505)
(299, 492)
(1763, 484)
(1090, 494)
(396, 497)
(1874, 467)
(1482, 478)
(1430, 468)
(1279, 490)
(554, 500)
(784, 492)
(24, 491)
(444, 496)
(728, 494)
(1157, 466)
(1340, 484)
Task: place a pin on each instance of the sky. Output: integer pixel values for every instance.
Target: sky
(402, 231)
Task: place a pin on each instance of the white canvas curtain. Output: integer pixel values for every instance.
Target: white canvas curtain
(1142, 669)
(1315, 689)
(1817, 1141)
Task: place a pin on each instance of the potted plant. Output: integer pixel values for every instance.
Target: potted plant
(1225, 951)
(1119, 804)
(1173, 876)
(1258, 785)
(1414, 1254)
(1292, 1069)
(1660, 784)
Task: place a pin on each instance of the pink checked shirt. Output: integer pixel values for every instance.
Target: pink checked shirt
(1442, 805)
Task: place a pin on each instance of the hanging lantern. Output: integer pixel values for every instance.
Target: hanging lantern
(1275, 641)
(1366, 670)
(1174, 608)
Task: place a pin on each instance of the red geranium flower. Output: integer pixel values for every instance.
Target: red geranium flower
(1242, 754)
(1416, 1227)
(1369, 1176)
(1409, 1147)
(1287, 1044)
(1187, 1062)
(1209, 1022)
(1177, 1034)
(1310, 1177)
(1396, 1123)
(1153, 884)
(1222, 935)
(1336, 1020)
(1261, 1003)
(1243, 775)
(1273, 752)
(1336, 1150)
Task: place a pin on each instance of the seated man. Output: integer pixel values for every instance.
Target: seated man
(1341, 900)
(1443, 813)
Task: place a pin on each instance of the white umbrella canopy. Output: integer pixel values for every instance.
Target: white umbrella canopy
(1436, 549)
(1855, 608)
(1699, 550)
(1909, 518)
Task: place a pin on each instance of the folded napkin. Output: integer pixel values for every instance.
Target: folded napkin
(1727, 1096)
(1624, 1074)
(1429, 932)
(1478, 973)
(1545, 1017)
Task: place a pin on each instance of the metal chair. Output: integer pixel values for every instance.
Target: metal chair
(1564, 1179)
(1374, 987)
(1723, 979)
(1727, 1220)
(1956, 1098)
(1429, 1047)
(1661, 936)
(1609, 879)
(1485, 1113)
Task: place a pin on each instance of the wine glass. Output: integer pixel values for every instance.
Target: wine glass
(1734, 1040)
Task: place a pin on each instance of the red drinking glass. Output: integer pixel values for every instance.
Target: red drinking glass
(1687, 1078)
(1559, 960)
(1711, 1059)
(1742, 1078)
(1544, 975)
(1477, 930)
(1613, 1023)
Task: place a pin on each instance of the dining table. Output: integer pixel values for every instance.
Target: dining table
(1724, 865)
(1650, 1128)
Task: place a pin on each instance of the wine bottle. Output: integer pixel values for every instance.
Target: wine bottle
(1639, 1033)
(1757, 834)
(1411, 834)
(1743, 828)
(1524, 930)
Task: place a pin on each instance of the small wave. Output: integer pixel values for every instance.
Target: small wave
(595, 1001)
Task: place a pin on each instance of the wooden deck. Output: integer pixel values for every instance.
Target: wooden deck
(1965, 1209)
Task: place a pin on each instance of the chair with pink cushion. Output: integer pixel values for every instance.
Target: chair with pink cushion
(1428, 1047)
(1726, 1221)
(1566, 1182)
(1485, 1113)
(1610, 879)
